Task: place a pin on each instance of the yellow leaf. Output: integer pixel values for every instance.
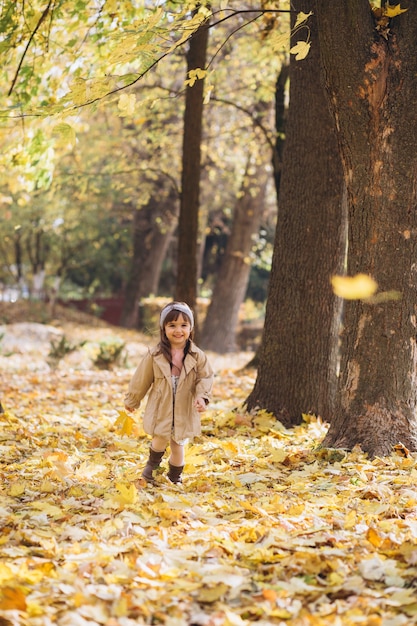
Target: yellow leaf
(374, 538)
(358, 287)
(16, 490)
(65, 134)
(350, 520)
(193, 75)
(126, 104)
(90, 471)
(5, 573)
(301, 18)
(47, 508)
(393, 10)
(47, 486)
(278, 455)
(12, 599)
(301, 50)
(335, 579)
(124, 423)
(170, 514)
(34, 609)
(212, 594)
(128, 493)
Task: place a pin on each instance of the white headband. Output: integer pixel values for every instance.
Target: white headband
(176, 306)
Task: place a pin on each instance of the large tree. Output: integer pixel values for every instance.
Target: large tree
(297, 359)
(370, 66)
(186, 286)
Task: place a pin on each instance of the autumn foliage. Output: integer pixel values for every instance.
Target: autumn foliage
(267, 528)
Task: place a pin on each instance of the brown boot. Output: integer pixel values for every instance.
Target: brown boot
(174, 473)
(154, 461)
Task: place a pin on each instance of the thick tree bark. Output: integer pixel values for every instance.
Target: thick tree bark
(371, 74)
(220, 326)
(296, 371)
(186, 284)
(281, 112)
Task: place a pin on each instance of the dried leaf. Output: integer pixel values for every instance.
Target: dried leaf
(358, 287)
(124, 423)
(301, 50)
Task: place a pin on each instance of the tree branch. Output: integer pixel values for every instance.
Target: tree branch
(41, 19)
(156, 61)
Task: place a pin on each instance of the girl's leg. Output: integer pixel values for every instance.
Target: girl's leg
(156, 452)
(177, 453)
(159, 444)
(176, 461)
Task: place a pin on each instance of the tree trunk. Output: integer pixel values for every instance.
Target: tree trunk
(219, 333)
(186, 285)
(371, 73)
(297, 370)
(153, 227)
(281, 112)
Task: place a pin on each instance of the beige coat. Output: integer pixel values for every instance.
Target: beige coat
(162, 416)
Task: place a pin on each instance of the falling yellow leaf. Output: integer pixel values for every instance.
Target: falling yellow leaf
(124, 423)
(358, 287)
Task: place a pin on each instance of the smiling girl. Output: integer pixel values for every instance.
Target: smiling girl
(180, 380)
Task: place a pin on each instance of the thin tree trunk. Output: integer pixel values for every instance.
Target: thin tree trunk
(186, 284)
(294, 371)
(281, 114)
(371, 79)
(153, 227)
(219, 333)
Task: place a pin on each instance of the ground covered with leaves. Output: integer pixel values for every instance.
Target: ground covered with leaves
(267, 528)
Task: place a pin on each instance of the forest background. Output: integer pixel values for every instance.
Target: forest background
(91, 194)
(51, 112)
(198, 206)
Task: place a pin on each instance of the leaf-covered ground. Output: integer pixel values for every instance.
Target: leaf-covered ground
(267, 528)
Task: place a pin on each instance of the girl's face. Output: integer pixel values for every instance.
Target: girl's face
(178, 331)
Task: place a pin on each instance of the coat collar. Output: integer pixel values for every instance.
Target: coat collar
(189, 363)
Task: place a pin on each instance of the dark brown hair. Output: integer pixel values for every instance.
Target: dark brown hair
(164, 345)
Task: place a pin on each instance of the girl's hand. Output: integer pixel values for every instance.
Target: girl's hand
(127, 408)
(200, 404)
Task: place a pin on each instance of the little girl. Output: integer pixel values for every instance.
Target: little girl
(180, 380)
